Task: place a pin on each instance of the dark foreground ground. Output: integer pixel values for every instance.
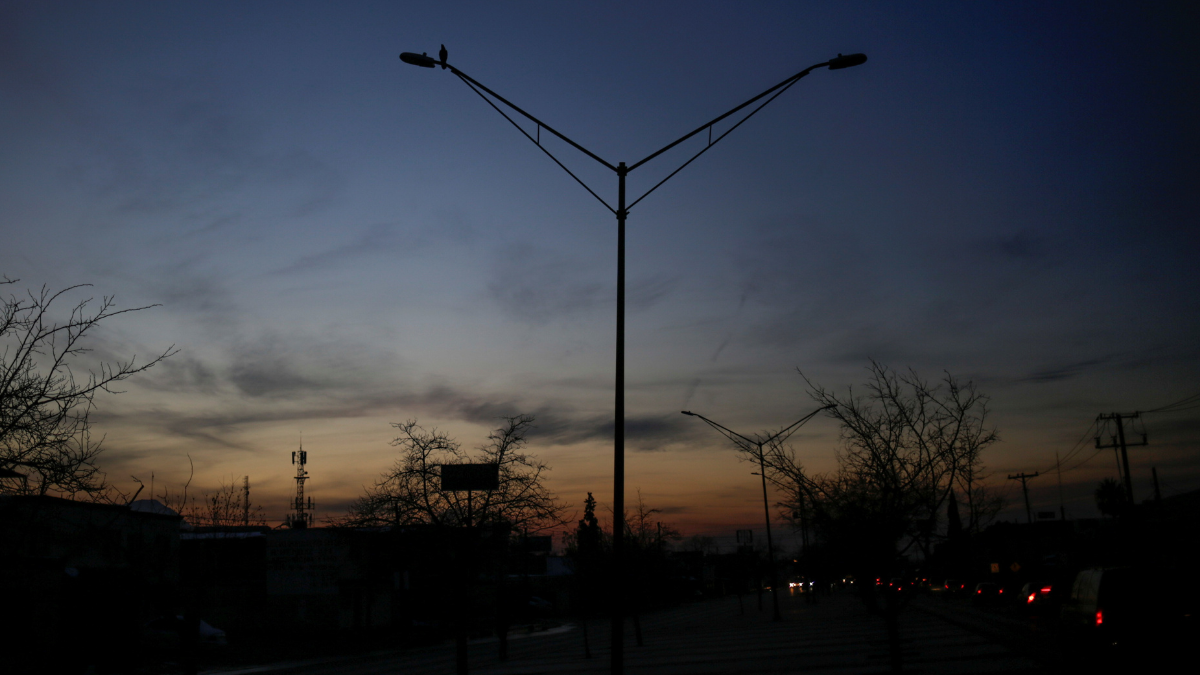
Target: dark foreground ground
(836, 635)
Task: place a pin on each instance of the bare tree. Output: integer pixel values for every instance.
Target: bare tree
(644, 531)
(45, 432)
(226, 506)
(410, 492)
(176, 501)
(984, 503)
(906, 444)
(700, 543)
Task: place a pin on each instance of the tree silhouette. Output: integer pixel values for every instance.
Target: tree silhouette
(1110, 498)
(410, 493)
(586, 550)
(907, 444)
(45, 402)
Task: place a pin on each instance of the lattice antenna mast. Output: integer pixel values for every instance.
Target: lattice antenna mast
(301, 517)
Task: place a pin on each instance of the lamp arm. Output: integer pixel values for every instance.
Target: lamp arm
(789, 430)
(540, 146)
(711, 143)
(786, 83)
(470, 80)
(724, 431)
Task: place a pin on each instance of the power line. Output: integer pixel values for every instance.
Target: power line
(1090, 458)
(1190, 402)
(1075, 449)
(1187, 403)
(1194, 406)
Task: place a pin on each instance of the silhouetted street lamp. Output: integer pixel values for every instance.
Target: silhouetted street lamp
(621, 211)
(762, 468)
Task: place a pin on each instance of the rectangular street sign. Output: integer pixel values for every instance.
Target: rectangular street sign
(538, 544)
(470, 477)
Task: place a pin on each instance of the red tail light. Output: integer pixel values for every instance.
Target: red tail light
(1001, 591)
(1099, 617)
(1031, 597)
(1046, 589)
(979, 592)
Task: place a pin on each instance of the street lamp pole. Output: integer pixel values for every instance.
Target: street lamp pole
(744, 442)
(621, 212)
(617, 620)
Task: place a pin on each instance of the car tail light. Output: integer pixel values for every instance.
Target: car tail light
(979, 592)
(1001, 591)
(1099, 617)
(1045, 589)
(1031, 597)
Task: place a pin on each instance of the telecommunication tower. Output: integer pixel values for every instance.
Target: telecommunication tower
(301, 517)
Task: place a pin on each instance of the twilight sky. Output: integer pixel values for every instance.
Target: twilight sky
(339, 240)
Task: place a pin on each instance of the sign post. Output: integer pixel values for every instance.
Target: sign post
(467, 478)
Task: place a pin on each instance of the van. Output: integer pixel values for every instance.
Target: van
(1145, 615)
(1103, 604)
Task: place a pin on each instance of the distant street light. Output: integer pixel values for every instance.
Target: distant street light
(744, 442)
(621, 211)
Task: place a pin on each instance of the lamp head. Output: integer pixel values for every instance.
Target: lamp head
(422, 60)
(847, 61)
(688, 413)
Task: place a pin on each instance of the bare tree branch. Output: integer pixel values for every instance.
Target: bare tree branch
(45, 430)
(906, 445)
(410, 494)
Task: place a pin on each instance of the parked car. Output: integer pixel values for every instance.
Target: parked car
(1133, 620)
(1117, 605)
(540, 606)
(955, 586)
(987, 593)
(1037, 598)
(165, 633)
(1103, 604)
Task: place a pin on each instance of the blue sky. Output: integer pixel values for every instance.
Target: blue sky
(339, 240)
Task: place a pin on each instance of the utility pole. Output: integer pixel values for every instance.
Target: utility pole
(1024, 488)
(1120, 443)
(1062, 510)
